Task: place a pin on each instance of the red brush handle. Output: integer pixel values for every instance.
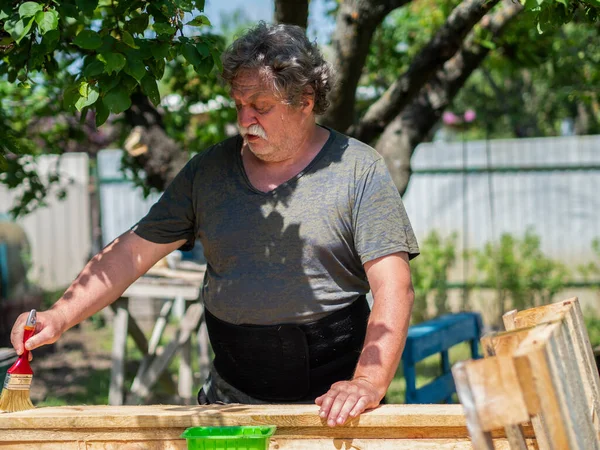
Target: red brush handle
(21, 365)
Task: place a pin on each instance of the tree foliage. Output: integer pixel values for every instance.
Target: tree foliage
(69, 64)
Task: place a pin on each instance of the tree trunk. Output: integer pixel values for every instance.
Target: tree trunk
(293, 12)
(355, 24)
(163, 158)
(440, 49)
(400, 138)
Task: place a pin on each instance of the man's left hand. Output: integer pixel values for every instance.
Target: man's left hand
(347, 399)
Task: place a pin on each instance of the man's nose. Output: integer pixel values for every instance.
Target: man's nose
(246, 116)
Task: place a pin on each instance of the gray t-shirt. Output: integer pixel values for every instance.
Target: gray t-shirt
(291, 255)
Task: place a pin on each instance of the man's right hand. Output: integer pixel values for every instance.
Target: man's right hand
(50, 326)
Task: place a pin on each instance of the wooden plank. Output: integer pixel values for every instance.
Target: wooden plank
(576, 331)
(441, 417)
(503, 343)
(481, 439)
(506, 343)
(188, 325)
(275, 444)
(203, 350)
(157, 332)
(119, 350)
(546, 358)
(144, 288)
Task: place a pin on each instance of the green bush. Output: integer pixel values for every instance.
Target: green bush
(520, 273)
(430, 274)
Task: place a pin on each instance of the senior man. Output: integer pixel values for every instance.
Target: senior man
(297, 222)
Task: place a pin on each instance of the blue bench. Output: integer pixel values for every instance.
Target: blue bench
(433, 337)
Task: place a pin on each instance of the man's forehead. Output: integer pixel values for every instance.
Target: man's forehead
(250, 84)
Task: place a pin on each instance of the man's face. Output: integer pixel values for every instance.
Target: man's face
(269, 127)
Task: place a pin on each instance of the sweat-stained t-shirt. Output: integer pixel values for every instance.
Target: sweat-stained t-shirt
(291, 255)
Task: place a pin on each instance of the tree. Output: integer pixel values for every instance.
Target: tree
(69, 65)
(92, 58)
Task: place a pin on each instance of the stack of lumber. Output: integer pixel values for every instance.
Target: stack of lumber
(541, 371)
(389, 427)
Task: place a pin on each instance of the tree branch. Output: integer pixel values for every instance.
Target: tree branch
(355, 24)
(293, 12)
(408, 129)
(440, 48)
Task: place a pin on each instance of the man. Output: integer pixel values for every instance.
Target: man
(297, 222)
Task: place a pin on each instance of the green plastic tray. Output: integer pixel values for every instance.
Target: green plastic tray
(228, 438)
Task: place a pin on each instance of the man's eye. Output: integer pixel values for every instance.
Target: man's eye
(262, 109)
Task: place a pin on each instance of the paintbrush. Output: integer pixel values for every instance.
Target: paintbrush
(15, 395)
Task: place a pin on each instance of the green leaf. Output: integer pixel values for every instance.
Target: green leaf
(102, 112)
(107, 82)
(18, 29)
(117, 100)
(89, 95)
(5, 11)
(190, 53)
(204, 67)
(163, 28)
(216, 56)
(113, 62)
(128, 39)
(93, 69)
(87, 7)
(203, 49)
(157, 67)
(199, 21)
(47, 20)
(186, 5)
(29, 9)
(50, 40)
(200, 5)
(88, 40)
(150, 88)
(137, 24)
(71, 96)
(136, 69)
(160, 51)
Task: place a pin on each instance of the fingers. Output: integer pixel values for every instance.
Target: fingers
(46, 335)
(47, 332)
(346, 399)
(16, 335)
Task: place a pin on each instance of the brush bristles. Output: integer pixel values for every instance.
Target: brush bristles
(13, 401)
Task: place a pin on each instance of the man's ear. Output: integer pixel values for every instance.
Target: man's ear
(308, 101)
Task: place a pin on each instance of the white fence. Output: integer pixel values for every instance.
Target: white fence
(59, 234)
(562, 205)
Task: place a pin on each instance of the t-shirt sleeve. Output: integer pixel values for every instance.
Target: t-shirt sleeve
(172, 217)
(381, 225)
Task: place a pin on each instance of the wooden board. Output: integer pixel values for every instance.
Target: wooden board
(298, 427)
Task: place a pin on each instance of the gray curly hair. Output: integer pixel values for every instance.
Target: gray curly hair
(287, 61)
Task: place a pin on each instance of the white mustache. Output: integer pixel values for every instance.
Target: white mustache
(254, 129)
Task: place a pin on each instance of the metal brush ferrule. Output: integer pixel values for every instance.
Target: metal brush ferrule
(31, 319)
(15, 382)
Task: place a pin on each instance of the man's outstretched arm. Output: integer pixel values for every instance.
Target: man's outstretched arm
(101, 282)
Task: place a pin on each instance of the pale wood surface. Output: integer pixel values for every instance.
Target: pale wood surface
(283, 416)
(119, 352)
(576, 334)
(506, 343)
(153, 427)
(546, 356)
(275, 444)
